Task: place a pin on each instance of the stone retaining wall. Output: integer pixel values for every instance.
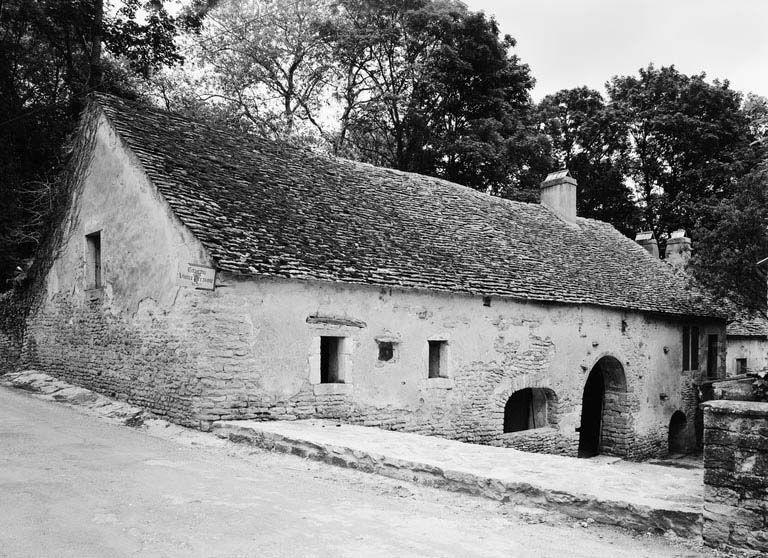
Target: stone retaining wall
(9, 352)
(541, 440)
(736, 475)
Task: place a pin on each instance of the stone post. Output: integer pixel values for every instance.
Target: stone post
(736, 475)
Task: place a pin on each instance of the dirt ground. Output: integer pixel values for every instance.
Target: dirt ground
(72, 484)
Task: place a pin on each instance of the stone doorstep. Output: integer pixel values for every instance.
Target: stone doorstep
(684, 520)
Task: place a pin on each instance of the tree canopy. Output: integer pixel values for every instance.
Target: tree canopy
(427, 86)
(52, 53)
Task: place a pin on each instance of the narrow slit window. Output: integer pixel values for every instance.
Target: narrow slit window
(690, 348)
(694, 348)
(330, 360)
(437, 359)
(712, 356)
(94, 259)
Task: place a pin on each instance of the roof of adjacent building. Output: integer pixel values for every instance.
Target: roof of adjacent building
(748, 324)
(263, 207)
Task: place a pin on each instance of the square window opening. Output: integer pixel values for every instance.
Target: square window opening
(330, 360)
(93, 241)
(741, 366)
(437, 359)
(386, 350)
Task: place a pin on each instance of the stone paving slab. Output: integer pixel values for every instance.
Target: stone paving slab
(640, 496)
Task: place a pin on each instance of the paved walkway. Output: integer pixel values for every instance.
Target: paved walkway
(635, 495)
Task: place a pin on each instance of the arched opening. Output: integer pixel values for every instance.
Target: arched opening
(677, 437)
(529, 408)
(604, 418)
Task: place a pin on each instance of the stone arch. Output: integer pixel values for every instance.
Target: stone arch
(678, 439)
(530, 408)
(605, 419)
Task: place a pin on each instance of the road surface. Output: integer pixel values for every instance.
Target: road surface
(77, 485)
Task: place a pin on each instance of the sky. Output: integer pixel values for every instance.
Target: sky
(570, 43)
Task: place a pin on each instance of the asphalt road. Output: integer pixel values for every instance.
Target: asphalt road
(77, 485)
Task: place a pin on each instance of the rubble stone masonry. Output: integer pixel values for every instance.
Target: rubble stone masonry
(10, 350)
(736, 475)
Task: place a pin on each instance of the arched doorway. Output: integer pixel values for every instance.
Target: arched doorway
(604, 426)
(677, 438)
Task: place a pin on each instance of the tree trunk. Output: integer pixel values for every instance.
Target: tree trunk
(95, 74)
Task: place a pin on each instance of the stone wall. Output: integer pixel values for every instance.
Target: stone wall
(10, 341)
(754, 349)
(736, 475)
(246, 351)
(10, 350)
(541, 440)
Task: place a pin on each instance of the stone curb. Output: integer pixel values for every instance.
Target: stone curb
(639, 518)
(49, 388)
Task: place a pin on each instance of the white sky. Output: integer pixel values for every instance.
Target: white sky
(569, 43)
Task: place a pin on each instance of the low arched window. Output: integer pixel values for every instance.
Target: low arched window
(529, 408)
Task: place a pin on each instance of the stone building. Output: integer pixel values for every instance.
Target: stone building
(362, 294)
(747, 337)
(747, 330)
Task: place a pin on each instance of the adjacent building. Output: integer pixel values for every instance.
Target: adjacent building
(747, 337)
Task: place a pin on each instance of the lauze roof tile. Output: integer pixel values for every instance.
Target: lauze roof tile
(263, 207)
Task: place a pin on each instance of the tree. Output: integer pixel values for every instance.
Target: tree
(591, 142)
(51, 57)
(731, 237)
(267, 62)
(688, 142)
(430, 87)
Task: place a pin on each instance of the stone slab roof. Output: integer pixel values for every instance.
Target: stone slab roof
(748, 324)
(265, 208)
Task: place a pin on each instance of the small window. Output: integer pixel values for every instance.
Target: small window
(741, 366)
(690, 348)
(94, 259)
(712, 356)
(386, 350)
(437, 359)
(486, 301)
(330, 360)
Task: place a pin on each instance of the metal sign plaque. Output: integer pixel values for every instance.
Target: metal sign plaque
(197, 276)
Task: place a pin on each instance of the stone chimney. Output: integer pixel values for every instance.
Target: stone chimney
(678, 250)
(558, 193)
(647, 240)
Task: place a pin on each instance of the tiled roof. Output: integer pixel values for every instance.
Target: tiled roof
(748, 324)
(263, 207)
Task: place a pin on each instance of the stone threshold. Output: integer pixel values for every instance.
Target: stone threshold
(638, 496)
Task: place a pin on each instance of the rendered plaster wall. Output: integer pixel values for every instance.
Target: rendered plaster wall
(493, 351)
(736, 476)
(251, 348)
(754, 349)
(119, 339)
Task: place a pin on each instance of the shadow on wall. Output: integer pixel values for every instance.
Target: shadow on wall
(678, 441)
